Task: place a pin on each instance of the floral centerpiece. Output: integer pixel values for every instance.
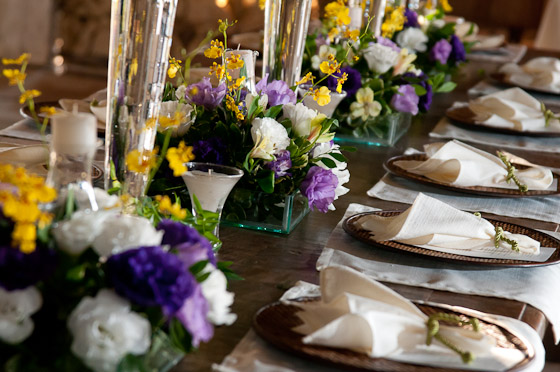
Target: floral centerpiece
(100, 290)
(282, 146)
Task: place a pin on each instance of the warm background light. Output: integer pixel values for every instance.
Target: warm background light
(221, 3)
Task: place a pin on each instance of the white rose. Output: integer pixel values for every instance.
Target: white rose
(269, 137)
(219, 299)
(105, 330)
(343, 175)
(103, 199)
(412, 39)
(78, 233)
(169, 108)
(380, 58)
(262, 102)
(301, 117)
(16, 308)
(122, 232)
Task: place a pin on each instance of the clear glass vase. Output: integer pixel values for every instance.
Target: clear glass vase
(141, 32)
(382, 130)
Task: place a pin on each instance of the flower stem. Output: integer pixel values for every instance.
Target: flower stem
(164, 148)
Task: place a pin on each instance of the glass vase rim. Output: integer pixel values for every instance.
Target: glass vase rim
(255, 52)
(230, 171)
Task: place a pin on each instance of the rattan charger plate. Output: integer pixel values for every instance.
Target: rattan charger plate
(274, 323)
(464, 117)
(352, 227)
(501, 79)
(477, 190)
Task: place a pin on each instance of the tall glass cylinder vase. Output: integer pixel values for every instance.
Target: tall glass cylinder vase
(141, 32)
(374, 10)
(285, 30)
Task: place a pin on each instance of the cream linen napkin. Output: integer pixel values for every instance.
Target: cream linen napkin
(358, 313)
(541, 73)
(33, 158)
(512, 109)
(459, 164)
(432, 224)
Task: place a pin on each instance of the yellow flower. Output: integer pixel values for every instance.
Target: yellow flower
(404, 62)
(218, 70)
(150, 124)
(341, 80)
(364, 106)
(24, 235)
(446, 7)
(238, 83)
(234, 62)
(352, 34)
(232, 106)
(28, 94)
(174, 209)
(429, 4)
(394, 23)
(21, 59)
(167, 122)
(178, 156)
(322, 96)
(329, 67)
(332, 33)
(14, 76)
(307, 78)
(140, 162)
(356, 58)
(174, 66)
(215, 50)
(262, 4)
(48, 110)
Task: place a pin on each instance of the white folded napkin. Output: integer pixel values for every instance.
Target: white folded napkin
(512, 109)
(432, 224)
(33, 158)
(541, 73)
(358, 313)
(459, 164)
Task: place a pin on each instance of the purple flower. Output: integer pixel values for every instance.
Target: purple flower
(210, 151)
(388, 43)
(203, 94)
(440, 51)
(190, 245)
(193, 315)
(20, 270)
(321, 40)
(278, 92)
(405, 100)
(281, 165)
(149, 276)
(411, 18)
(319, 188)
(425, 101)
(457, 50)
(351, 85)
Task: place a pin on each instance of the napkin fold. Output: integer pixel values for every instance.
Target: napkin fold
(512, 109)
(432, 224)
(358, 313)
(33, 158)
(542, 73)
(459, 164)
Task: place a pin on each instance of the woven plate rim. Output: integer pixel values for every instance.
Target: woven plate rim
(500, 77)
(476, 190)
(349, 225)
(464, 117)
(274, 323)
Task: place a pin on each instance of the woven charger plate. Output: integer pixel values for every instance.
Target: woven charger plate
(502, 79)
(274, 323)
(352, 227)
(464, 117)
(477, 190)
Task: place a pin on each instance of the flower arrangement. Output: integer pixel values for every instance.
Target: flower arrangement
(281, 145)
(101, 290)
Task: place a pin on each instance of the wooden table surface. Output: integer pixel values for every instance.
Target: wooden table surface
(271, 263)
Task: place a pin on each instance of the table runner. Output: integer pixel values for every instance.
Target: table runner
(444, 129)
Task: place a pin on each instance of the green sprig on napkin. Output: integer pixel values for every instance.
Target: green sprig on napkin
(548, 115)
(501, 236)
(433, 332)
(511, 172)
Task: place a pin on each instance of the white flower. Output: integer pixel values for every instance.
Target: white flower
(323, 55)
(412, 39)
(301, 118)
(269, 137)
(219, 299)
(365, 106)
(105, 330)
(103, 199)
(181, 91)
(169, 108)
(380, 58)
(78, 233)
(262, 102)
(16, 308)
(122, 232)
(438, 23)
(324, 150)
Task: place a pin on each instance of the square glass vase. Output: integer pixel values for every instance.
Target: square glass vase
(383, 130)
(278, 213)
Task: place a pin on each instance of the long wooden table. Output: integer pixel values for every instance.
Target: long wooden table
(272, 263)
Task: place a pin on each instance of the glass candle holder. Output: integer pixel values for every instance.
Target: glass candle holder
(211, 184)
(249, 58)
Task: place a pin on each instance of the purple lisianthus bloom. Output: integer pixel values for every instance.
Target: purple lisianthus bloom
(149, 276)
(411, 18)
(278, 92)
(405, 100)
(210, 151)
(352, 84)
(190, 245)
(440, 51)
(281, 165)
(193, 315)
(203, 94)
(319, 188)
(457, 50)
(20, 270)
(388, 43)
(425, 100)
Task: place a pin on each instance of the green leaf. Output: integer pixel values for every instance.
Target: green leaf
(328, 162)
(180, 338)
(265, 179)
(273, 111)
(77, 273)
(132, 363)
(446, 87)
(347, 148)
(419, 90)
(338, 156)
(198, 267)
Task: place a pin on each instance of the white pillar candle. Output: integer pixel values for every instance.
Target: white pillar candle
(74, 133)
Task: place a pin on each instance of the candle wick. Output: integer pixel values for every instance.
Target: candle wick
(209, 172)
(75, 108)
(238, 46)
